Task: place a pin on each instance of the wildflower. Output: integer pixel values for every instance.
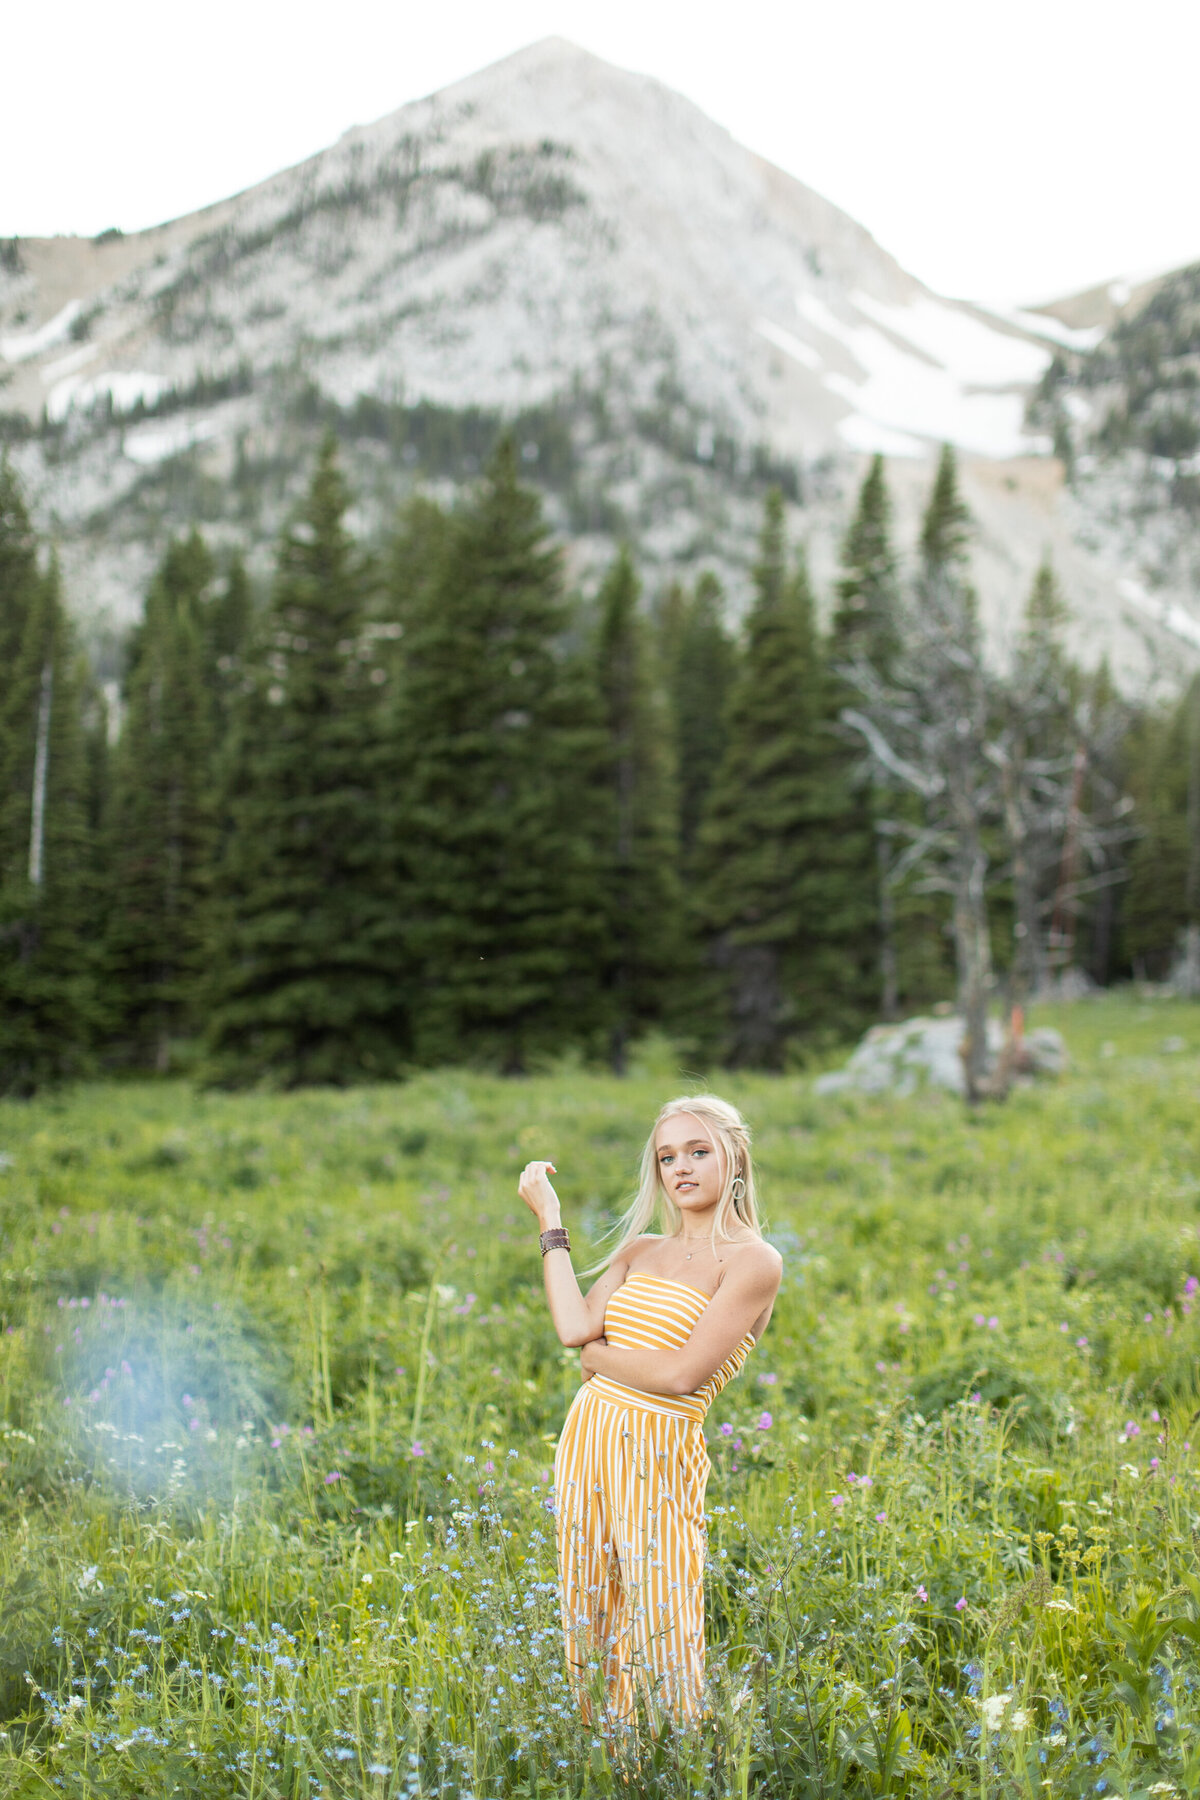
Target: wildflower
(993, 1323)
(960, 1605)
(1191, 1284)
(1081, 1343)
(920, 1591)
(993, 1709)
(765, 1421)
(727, 1430)
(1018, 1718)
(978, 1319)
(881, 1518)
(418, 1448)
(333, 1475)
(1132, 1429)
(837, 1500)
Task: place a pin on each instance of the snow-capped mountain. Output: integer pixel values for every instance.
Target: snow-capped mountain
(670, 322)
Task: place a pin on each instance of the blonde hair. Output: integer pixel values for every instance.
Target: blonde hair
(731, 1136)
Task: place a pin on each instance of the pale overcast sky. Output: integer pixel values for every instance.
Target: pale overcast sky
(1006, 152)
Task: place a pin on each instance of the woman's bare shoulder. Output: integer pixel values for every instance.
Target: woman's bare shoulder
(759, 1261)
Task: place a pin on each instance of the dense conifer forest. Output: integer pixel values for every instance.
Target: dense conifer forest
(421, 803)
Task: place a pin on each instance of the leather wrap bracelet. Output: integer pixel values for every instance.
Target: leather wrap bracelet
(557, 1238)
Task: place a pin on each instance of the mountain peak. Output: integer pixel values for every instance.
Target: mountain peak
(670, 321)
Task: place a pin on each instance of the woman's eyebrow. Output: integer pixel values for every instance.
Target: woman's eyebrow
(692, 1144)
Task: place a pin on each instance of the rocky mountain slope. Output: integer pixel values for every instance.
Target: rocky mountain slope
(668, 322)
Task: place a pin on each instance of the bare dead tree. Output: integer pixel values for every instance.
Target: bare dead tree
(928, 730)
(1033, 754)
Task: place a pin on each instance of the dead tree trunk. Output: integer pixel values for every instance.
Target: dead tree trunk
(41, 766)
(889, 976)
(973, 957)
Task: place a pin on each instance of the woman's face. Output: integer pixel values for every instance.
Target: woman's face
(689, 1162)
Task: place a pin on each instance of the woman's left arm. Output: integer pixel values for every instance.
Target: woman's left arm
(742, 1298)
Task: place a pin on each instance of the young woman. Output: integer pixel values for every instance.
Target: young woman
(671, 1319)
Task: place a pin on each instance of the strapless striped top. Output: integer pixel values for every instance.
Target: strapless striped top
(648, 1312)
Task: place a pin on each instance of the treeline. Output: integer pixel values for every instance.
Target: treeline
(424, 805)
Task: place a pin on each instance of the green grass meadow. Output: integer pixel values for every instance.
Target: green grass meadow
(278, 1400)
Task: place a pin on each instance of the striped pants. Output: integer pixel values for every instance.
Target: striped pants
(629, 1474)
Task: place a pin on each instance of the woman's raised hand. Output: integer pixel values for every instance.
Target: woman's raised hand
(535, 1190)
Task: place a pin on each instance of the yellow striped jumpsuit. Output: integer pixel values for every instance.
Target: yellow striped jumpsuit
(629, 1478)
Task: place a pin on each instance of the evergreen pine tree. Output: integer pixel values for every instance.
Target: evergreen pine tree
(946, 523)
(958, 703)
(1161, 904)
(161, 818)
(923, 920)
(865, 620)
(645, 931)
(1038, 735)
(701, 663)
(505, 793)
(765, 842)
(226, 618)
(48, 1010)
(305, 946)
(865, 631)
(19, 579)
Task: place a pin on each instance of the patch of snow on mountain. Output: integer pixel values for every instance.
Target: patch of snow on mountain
(155, 443)
(1071, 337)
(908, 390)
(33, 343)
(125, 387)
(962, 344)
(874, 439)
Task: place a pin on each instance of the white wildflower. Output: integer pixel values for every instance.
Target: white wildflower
(993, 1709)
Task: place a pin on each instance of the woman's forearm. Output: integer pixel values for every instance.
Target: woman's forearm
(651, 1371)
(568, 1308)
